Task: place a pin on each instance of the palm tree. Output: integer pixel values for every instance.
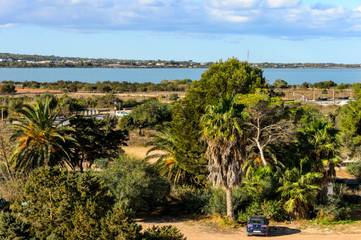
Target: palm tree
(319, 137)
(222, 130)
(299, 190)
(165, 145)
(40, 136)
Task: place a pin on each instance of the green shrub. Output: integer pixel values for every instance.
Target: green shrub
(190, 198)
(163, 233)
(60, 204)
(355, 169)
(136, 184)
(7, 88)
(336, 208)
(253, 209)
(269, 208)
(331, 213)
(118, 225)
(217, 200)
(13, 228)
(216, 203)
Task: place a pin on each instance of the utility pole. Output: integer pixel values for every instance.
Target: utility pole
(248, 56)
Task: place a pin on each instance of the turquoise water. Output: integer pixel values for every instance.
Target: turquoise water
(292, 76)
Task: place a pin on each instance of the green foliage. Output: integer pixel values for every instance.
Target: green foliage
(64, 205)
(190, 199)
(187, 149)
(355, 169)
(225, 79)
(317, 144)
(117, 225)
(221, 80)
(349, 123)
(40, 136)
(299, 191)
(271, 209)
(336, 208)
(324, 84)
(136, 184)
(95, 139)
(177, 168)
(280, 83)
(147, 115)
(107, 86)
(163, 233)
(217, 200)
(7, 88)
(12, 228)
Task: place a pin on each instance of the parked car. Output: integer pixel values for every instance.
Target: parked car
(257, 225)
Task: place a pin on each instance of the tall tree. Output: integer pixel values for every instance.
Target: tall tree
(95, 139)
(148, 114)
(267, 123)
(40, 136)
(222, 79)
(349, 123)
(222, 130)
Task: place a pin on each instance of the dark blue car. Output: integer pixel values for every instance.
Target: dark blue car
(257, 225)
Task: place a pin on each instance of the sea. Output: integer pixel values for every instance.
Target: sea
(292, 76)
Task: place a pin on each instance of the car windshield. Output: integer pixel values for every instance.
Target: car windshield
(257, 221)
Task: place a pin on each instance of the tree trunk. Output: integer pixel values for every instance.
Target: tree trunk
(261, 153)
(229, 201)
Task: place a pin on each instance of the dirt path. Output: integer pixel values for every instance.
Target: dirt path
(195, 230)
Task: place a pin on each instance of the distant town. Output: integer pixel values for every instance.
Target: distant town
(33, 61)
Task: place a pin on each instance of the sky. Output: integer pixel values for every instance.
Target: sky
(200, 30)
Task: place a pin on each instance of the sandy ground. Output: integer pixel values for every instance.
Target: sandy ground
(195, 230)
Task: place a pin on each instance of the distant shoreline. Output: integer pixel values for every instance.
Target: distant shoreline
(10, 60)
(132, 67)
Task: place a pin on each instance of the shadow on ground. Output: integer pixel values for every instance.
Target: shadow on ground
(275, 231)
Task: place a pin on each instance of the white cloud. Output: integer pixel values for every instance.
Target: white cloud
(282, 3)
(7, 25)
(229, 16)
(289, 18)
(358, 9)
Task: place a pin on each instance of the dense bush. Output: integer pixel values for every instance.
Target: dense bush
(355, 169)
(118, 225)
(190, 199)
(59, 204)
(163, 233)
(217, 200)
(136, 184)
(13, 228)
(280, 83)
(62, 204)
(7, 88)
(269, 208)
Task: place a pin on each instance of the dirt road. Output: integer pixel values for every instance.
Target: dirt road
(195, 230)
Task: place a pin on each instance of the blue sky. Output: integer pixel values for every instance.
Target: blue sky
(201, 30)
